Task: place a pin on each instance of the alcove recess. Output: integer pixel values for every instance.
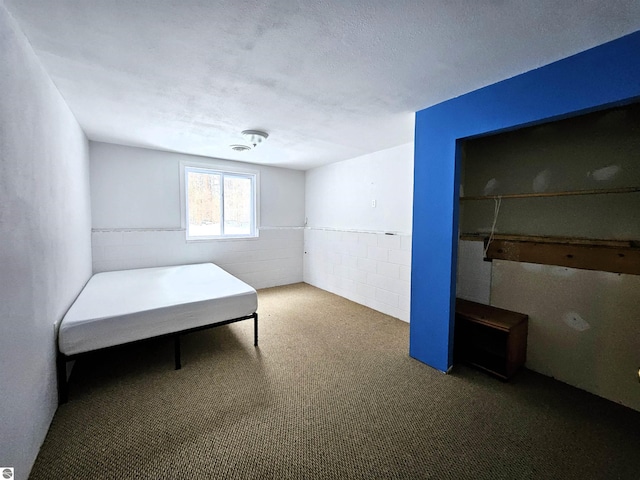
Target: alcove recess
(562, 193)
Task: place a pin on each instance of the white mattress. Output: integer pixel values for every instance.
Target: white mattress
(124, 306)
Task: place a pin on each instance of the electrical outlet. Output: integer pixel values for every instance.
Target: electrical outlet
(373, 204)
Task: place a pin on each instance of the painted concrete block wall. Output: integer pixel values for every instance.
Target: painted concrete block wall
(275, 258)
(137, 223)
(352, 248)
(45, 226)
(372, 269)
(597, 78)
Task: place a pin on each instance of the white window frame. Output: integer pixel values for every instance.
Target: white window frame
(222, 170)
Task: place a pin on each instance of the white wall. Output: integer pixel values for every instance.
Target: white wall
(135, 198)
(339, 195)
(45, 227)
(352, 248)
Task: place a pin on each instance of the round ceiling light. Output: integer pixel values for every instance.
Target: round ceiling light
(240, 148)
(255, 137)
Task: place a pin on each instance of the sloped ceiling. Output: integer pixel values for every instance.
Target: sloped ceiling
(328, 79)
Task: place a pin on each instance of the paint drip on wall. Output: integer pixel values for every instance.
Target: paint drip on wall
(575, 321)
(491, 186)
(541, 181)
(605, 173)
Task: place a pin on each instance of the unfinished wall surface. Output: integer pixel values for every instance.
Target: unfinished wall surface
(583, 325)
(354, 247)
(45, 226)
(474, 274)
(591, 152)
(136, 205)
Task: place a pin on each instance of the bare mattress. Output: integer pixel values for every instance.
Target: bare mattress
(130, 305)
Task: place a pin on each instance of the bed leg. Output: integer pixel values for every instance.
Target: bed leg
(176, 351)
(255, 329)
(63, 387)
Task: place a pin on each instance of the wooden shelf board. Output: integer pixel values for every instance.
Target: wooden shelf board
(600, 191)
(481, 237)
(587, 256)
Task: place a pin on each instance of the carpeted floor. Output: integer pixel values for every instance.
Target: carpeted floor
(330, 393)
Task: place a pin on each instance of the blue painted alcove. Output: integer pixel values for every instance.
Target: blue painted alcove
(601, 77)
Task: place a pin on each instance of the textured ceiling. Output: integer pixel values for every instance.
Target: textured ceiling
(328, 79)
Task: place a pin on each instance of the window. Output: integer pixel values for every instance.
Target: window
(219, 204)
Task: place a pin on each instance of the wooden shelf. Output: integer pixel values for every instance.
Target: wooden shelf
(597, 242)
(615, 256)
(603, 258)
(600, 191)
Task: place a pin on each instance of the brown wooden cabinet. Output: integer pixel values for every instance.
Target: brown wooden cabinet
(490, 338)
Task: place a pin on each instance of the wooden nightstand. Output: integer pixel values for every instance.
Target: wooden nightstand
(490, 338)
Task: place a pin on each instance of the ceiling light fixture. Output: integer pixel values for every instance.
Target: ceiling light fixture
(240, 148)
(255, 137)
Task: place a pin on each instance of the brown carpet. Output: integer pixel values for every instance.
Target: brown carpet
(330, 393)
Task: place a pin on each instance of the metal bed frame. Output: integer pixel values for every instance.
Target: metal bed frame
(62, 359)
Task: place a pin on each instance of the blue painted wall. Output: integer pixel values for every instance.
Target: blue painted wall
(597, 78)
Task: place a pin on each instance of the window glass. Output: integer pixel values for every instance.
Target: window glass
(219, 204)
(237, 205)
(204, 204)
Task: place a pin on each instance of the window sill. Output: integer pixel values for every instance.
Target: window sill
(222, 239)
